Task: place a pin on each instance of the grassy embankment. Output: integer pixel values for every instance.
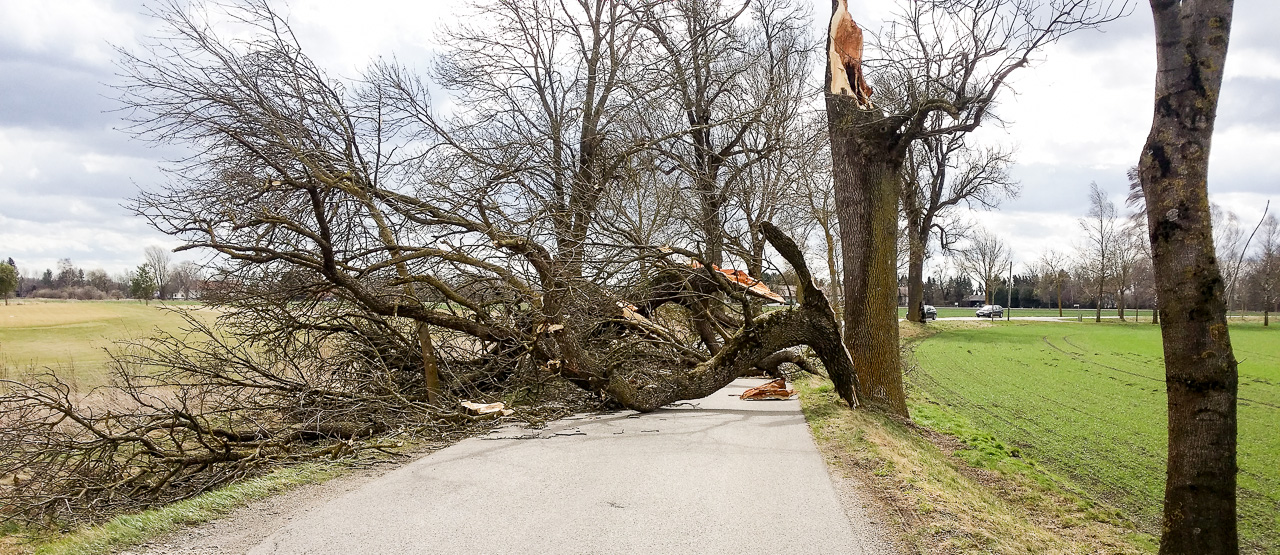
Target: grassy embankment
(1087, 402)
(133, 529)
(944, 500)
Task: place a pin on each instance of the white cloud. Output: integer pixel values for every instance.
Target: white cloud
(114, 248)
(82, 30)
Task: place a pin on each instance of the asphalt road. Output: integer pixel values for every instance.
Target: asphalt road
(717, 475)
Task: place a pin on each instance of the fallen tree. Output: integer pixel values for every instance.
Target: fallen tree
(375, 264)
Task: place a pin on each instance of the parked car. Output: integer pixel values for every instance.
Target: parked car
(930, 313)
(991, 311)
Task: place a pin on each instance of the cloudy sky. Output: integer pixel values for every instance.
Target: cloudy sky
(1079, 115)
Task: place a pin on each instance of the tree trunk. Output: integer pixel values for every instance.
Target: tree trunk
(1155, 313)
(1097, 317)
(430, 366)
(866, 169)
(915, 256)
(1120, 305)
(811, 323)
(833, 275)
(1200, 367)
(915, 284)
(1059, 298)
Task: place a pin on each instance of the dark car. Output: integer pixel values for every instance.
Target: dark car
(991, 311)
(930, 313)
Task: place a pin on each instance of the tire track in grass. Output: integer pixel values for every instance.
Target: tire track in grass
(1080, 357)
(1030, 432)
(1052, 440)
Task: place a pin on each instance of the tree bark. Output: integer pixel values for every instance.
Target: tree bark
(1059, 298)
(430, 366)
(1200, 367)
(866, 168)
(1120, 305)
(917, 238)
(832, 274)
(1097, 316)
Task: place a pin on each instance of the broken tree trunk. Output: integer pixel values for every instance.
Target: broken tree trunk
(811, 323)
(866, 163)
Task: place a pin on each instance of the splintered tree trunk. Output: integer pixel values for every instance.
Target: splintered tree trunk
(1200, 367)
(865, 170)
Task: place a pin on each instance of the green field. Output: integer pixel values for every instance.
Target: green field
(1087, 402)
(71, 337)
(1143, 315)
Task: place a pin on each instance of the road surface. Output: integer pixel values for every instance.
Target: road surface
(717, 475)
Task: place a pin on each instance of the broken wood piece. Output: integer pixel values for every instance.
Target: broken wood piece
(631, 312)
(744, 280)
(776, 389)
(479, 409)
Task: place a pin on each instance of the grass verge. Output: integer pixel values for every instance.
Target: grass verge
(943, 504)
(1087, 401)
(128, 530)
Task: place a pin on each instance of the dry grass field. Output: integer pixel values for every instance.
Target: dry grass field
(71, 338)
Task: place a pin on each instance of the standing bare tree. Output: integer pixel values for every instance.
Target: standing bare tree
(938, 57)
(1266, 269)
(1052, 270)
(986, 260)
(157, 261)
(941, 173)
(1128, 255)
(1137, 201)
(1200, 367)
(819, 200)
(1098, 253)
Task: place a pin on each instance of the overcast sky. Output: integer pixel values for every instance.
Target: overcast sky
(1080, 114)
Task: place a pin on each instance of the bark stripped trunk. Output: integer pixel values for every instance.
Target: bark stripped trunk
(866, 173)
(1200, 367)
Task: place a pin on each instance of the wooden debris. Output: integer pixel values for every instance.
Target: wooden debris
(776, 389)
(478, 409)
(744, 280)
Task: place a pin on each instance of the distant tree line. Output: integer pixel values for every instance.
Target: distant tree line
(1109, 268)
(156, 278)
